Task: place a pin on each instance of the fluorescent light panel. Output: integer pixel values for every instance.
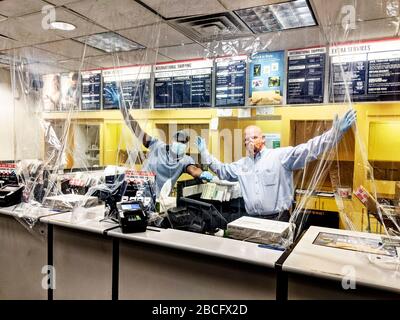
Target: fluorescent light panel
(110, 42)
(276, 17)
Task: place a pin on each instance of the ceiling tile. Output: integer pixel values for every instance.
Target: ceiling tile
(70, 48)
(15, 8)
(232, 47)
(27, 29)
(146, 56)
(329, 12)
(33, 55)
(75, 65)
(62, 2)
(182, 8)
(6, 43)
(290, 39)
(242, 4)
(137, 57)
(106, 61)
(44, 68)
(189, 51)
(374, 29)
(83, 27)
(32, 29)
(156, 35)
(116, 14)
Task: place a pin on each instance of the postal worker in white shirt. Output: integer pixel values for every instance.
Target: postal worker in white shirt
(266, 175)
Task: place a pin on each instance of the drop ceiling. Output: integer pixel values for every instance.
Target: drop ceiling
(156, 25)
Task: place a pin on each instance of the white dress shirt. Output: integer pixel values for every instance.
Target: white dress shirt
(266, 180)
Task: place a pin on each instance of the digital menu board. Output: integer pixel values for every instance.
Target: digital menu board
(91, 89)
(230, 81)
(369, 71)
(267, 78)
(306, 76)
(128, 85)
(184, 84)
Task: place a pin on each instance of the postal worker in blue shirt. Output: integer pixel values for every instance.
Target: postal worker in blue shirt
(266, 175)
(166, 161)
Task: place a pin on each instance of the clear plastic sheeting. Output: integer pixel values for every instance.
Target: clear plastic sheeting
(132, 87)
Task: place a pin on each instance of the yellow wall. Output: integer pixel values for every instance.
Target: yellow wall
(384, 140)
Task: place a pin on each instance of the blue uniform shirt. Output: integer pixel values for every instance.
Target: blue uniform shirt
(164, 165)
(266, 181)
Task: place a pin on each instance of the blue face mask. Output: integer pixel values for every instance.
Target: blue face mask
(178, 148)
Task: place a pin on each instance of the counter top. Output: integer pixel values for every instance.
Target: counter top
(211, 245)
(89, 220)
(34, 213)
(338, 264)
(85, 219)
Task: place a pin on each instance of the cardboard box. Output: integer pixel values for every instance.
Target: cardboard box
(366, 199)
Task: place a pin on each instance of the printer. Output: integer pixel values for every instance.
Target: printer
(258, 230)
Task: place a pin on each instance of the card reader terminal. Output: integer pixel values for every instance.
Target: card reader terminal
(131, 216)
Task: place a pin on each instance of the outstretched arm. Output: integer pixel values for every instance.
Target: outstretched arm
(196, 172)
(298, 156)
(225, 171)
(134, 126)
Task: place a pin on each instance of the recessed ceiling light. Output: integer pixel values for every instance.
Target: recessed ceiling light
(110, 42)
(64, 26)
(276, 17)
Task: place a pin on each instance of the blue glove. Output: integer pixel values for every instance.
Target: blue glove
(112, 94)
(346, 121)
(200, 144)
(205, 175)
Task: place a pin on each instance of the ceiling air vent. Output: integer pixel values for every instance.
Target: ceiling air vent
(211, 27)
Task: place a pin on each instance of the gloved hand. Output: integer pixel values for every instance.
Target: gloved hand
(343, 124)
(112, 94)
(205, 175)
(200, 144)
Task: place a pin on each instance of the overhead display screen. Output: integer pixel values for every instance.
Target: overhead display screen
(369, 71)
(91, 89)
(128, 85)
(267, 78)
(184, 84)
(306, 76)
(230, 81)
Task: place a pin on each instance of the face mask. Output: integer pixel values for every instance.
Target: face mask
(254, 146)
(178, 148)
